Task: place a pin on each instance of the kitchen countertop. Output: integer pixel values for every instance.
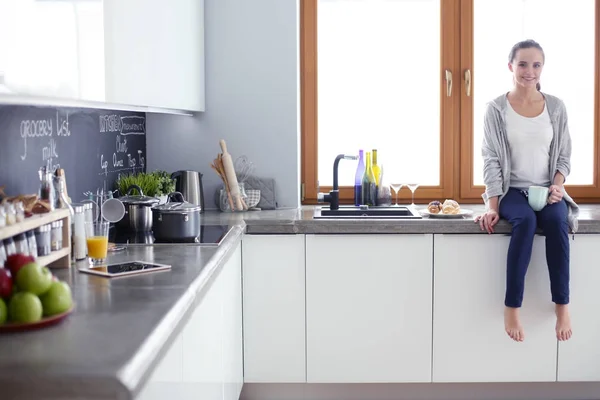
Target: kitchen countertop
(120, 328)
(301, 221)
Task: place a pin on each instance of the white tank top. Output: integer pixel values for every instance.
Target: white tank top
(529, 141)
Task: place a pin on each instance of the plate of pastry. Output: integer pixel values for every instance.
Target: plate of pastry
(447, 210)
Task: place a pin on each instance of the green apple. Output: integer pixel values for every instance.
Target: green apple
(24, 307)
(57, 299)
(3, 312)
(34, 279)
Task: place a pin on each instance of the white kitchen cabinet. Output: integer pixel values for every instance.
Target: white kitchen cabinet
(469, 341)
(368, 308)
(154, 53)
(167, 377)
(212, 342)
(273, 270)
(233, 357)
(48, 48)
(578, 357)
(205, 360)
(138, 53)
(203, 346)
(193, 368)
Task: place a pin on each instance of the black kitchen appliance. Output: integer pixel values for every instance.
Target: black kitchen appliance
(210, 235)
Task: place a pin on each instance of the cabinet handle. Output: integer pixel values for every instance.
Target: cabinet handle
(448, 83)
(468, 81)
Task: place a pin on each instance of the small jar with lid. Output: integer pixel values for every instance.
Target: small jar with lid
(88, 210)
(32, 243)
(2, 216)
(9, 247)
(21, 244)
(42, 238)
(11, 214)
(19, 211)
(3, 255)
(56, 235)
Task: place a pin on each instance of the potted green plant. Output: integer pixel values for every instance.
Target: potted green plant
(166, 184)
(149, 184)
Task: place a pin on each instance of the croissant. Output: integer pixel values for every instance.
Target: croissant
(450, 207)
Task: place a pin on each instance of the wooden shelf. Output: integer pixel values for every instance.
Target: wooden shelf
(56, 259)
(33, 222)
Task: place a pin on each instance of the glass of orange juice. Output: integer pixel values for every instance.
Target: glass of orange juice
(97, 241)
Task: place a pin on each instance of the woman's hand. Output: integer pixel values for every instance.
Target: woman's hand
(556, 194)
(488, 220)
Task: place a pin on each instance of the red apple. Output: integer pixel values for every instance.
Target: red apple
(14, 262)
(6, 283)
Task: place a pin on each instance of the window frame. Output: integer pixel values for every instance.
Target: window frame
(456, 122)
(470, 192)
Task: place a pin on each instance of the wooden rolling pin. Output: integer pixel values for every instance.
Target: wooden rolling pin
(231, 177)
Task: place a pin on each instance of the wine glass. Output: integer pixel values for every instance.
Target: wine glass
(413, 187)
(396, 188)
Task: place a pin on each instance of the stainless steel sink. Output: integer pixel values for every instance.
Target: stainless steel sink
(351, 212)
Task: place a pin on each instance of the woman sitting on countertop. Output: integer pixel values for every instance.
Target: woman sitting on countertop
(527, 143)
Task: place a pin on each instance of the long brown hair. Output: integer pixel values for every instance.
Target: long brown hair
(526, 44)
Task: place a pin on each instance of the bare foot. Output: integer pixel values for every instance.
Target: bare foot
(563, 322)
(512, 324)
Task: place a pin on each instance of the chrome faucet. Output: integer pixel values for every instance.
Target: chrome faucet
(333, 198)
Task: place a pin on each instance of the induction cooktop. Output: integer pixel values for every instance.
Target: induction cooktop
(210, 235)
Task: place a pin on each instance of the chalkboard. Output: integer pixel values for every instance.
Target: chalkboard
(93, 146)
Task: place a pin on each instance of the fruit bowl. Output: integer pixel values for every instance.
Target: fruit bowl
(43, 323)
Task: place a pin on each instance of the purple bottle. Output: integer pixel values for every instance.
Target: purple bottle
(360, 171)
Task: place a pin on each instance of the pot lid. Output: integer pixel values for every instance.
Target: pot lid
(176, 204)
(177, 207)
(138, 199)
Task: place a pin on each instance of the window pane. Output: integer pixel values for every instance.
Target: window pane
(565, 29)
(379, 87)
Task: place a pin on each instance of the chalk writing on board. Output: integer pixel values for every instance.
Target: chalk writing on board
(62, 124)
(133, 125)
(44, 128)
(118, 164)
(30, 129)
(127, 125)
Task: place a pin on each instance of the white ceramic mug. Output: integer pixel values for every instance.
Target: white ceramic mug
(538, 197)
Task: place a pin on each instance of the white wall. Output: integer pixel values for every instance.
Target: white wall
(252, 98)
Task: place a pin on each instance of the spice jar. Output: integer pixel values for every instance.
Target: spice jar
(56, 235)
(2, 216)
(3, 256)
(32, 244)
(9, 246)
(42, 238)
(19, 211)
(89, 218)
(11, 214)
(21, 244)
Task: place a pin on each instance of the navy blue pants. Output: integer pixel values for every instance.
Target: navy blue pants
(552, 220)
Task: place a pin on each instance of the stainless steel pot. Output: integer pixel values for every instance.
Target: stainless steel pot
(176, 221)
(138, 211)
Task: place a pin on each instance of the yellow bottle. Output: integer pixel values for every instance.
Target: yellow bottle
(369, 186)
(376, 173)
(376, 169)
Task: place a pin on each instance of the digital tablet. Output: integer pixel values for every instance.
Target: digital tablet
(125, 269)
